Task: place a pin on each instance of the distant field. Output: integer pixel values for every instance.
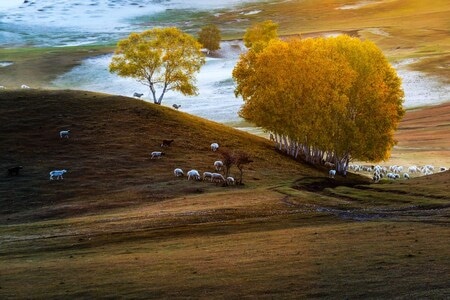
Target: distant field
(401, 28)
(122, 226)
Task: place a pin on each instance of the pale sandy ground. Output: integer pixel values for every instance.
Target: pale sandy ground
(424, 137)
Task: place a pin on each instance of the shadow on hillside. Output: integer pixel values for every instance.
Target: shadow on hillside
(319, 184)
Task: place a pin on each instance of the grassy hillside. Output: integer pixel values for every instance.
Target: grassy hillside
(121, 225)
(108, 153)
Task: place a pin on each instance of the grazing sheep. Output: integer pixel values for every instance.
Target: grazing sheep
(2, 87)
(218, 165)
(428, 167)
(216, 177)
(193, 174)
(443, 169)
(214, 146)
(14, 171)
(58, 174)
(332, 173)
(64, 134)
(178, 172)
(378, 169)
(166, 143)
(24, 86)
(176, 106)
(406, 175)
(230, 180)
(391, 175)
(427, 170)
(413, 169)
(157, 154)
(137, 95)
(207, 175)
(376, 176)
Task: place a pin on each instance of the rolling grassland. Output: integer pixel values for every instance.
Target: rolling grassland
(121, 225)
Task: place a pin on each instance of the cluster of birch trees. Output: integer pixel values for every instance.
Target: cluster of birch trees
(324, 99)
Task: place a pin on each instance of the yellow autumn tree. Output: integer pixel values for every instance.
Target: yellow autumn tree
(163, 59)
(325, 98)
(209, 37)
(259, 35)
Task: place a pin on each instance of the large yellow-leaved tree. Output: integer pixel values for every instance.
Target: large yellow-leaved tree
(332, 99)
(163, 59)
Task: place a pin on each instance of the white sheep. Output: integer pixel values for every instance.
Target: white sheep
(443, 169)
(332, 173)
(193, 174)
(207, 175)
(230, 180)
(156, 154)
(216, 177)
(57, 173)
(428, 167)
(413, 169)
(218, 165)
(391, 175)
(178, 172)
(64, 134)
(214, 147)
(24, 86)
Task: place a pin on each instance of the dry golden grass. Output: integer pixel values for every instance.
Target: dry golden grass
(424, 137)
(122, 226)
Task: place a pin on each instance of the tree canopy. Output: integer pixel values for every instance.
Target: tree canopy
(161, 58)
(332, 99)
(209, 37)
(259, 35)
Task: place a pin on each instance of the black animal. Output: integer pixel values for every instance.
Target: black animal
(166, 143)
(14, 171)
(176, 106)
(139, 95)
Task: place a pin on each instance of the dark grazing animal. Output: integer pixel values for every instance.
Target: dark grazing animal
(176, 106)
(14, 171)
(138, 95)
(166, 143)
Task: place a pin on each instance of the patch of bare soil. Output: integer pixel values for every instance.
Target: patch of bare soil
(424, 137)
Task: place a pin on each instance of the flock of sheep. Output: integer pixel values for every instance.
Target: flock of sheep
(193, 174)
(178, 172)
(395, 172)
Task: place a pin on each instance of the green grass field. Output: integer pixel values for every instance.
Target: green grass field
(120, 225)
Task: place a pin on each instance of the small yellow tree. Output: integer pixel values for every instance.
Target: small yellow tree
(164, 58)
(259, 35)
(209, 37)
